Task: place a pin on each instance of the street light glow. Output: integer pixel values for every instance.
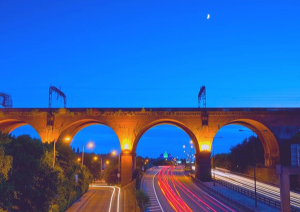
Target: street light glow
(95, 158)
(90, 145)
(204, 147)
(114, 152)
(126, 147)
(107, 162)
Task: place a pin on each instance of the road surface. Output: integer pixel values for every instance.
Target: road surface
(261, 188)
(170, 190)
(98, 198)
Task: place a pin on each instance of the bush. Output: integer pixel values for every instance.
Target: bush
(30, 183)
(142, 199)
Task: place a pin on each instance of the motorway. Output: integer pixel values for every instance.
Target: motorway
(98, 198)
(261, 188)
(170, 190)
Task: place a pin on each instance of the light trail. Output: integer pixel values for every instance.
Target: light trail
(262, 188)
(174, 192)
(225, 206)
(111, 198)
(156, 194)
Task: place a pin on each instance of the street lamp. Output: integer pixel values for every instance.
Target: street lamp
(254, 166)
(54, 150)
(213, 161)
(89, 145)
(114, 153)
(54, 143)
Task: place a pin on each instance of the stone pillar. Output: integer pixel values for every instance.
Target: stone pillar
(284, 182)
(127, 160)
(202, 166)
(133, 162)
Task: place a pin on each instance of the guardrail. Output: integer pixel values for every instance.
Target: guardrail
(261, 198)
(248, 176)
(236, 203)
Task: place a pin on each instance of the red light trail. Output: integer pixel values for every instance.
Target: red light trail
(171, 188)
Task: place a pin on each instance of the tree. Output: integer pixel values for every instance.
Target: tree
(111, 172)
(30, 183)
(222, 161)
(142, 199)
(241, 156)
(5, 160)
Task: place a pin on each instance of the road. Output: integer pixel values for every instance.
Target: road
(170, 190)
(261, 188)
(98, 198)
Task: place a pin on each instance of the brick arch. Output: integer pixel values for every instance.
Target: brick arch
(266, 136)
(71, 130)
(8, 125)
(168, 122)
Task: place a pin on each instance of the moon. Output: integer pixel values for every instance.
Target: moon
(208, 16)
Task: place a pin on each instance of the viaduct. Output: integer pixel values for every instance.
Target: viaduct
(273, 126)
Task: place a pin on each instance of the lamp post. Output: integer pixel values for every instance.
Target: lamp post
(254, 166)
(54, 143)
(213, 161)
(114, 153)
(54, 148)
(89, 145)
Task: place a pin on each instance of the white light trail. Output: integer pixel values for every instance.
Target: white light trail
(262, 188)
(111, 198)
(155, 192)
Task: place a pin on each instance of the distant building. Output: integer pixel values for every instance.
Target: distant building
(165, 155)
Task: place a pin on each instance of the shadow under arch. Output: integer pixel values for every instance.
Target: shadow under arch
(9, 125)
(168, 122)
(265, 135)
(71, 130)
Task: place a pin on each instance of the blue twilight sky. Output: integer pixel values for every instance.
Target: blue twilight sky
(151, 54)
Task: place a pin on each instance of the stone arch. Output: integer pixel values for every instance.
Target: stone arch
(71, 130)
(8, 125)
(172, 122)
(265, 135)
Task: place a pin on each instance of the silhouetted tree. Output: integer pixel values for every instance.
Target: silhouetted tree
(241, 156)
(111, 172)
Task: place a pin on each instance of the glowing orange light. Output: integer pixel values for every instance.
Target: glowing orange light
(95, 158)
(114, 152)
(126, 147)
(90, 145)
(67, 138)
(191, 142)
(107, 162)
(204, 147)
(78, 159)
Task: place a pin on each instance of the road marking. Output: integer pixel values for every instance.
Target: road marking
(155, 192)
(111, 198)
